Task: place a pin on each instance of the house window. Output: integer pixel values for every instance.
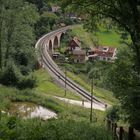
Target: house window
(105, 49)
(109, 59)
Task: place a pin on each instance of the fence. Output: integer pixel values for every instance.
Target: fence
(121, 133)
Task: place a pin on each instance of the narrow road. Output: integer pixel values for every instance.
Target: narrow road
(45, 59)
(85, 104)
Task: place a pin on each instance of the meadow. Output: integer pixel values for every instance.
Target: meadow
(103, 36)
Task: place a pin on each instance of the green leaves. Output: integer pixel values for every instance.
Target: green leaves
(124, 81)
(18, 19)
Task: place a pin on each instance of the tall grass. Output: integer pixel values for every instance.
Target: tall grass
(60, 129)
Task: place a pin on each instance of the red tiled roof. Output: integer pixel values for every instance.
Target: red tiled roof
(77, 41)
(104, 51)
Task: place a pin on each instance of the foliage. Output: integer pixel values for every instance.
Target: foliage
(17, 34)
(124, 82)
(46, 23)
(16, 40)
(113, 113)
(27, 82)
(125, 73)
(83, 35)
(11, 76)
(53, 129)
(67, 37)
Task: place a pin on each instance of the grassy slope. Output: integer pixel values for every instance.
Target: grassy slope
(110, 38)
(83, 35)
(47, 86)
(103, 94)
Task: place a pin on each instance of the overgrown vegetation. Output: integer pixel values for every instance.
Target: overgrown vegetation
(72, 120)
(52, 130)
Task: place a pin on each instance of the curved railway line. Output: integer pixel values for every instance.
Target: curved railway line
(47, 61)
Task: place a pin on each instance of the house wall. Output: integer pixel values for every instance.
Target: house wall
(79, 58)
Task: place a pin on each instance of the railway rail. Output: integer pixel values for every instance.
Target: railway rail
(47, 61)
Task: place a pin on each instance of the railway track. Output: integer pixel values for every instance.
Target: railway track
(47, 61)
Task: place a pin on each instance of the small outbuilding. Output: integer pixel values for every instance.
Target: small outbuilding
(79, 55)
(74, 44)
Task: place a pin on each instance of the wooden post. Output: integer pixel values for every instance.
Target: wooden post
(121, 133)
(112, 126)
(91, 109)
(115, 127)
(0, 114)
(82, 102)
(108, 124)
(131, 134)
(65, 81)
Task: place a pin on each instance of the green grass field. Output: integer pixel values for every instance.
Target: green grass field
(110, 38)
(105, 38)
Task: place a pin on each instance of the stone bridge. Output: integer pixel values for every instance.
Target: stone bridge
(53, 41)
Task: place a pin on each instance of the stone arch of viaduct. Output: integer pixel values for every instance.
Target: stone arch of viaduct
(53, 41)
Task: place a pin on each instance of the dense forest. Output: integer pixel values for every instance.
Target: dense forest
(21, 24)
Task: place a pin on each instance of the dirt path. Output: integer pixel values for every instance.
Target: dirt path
(84, 104)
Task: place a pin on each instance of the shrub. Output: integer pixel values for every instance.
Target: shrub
(113, 113)
(9, 75)
(24, 70)
(26, 82)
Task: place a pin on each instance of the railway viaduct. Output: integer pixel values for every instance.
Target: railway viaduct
(53, 41)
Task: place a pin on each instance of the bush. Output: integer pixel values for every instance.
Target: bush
(9, 76)
(25, 70)
(26, 82)
(113, 113)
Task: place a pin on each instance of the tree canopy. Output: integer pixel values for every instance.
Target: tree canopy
(17, 37)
